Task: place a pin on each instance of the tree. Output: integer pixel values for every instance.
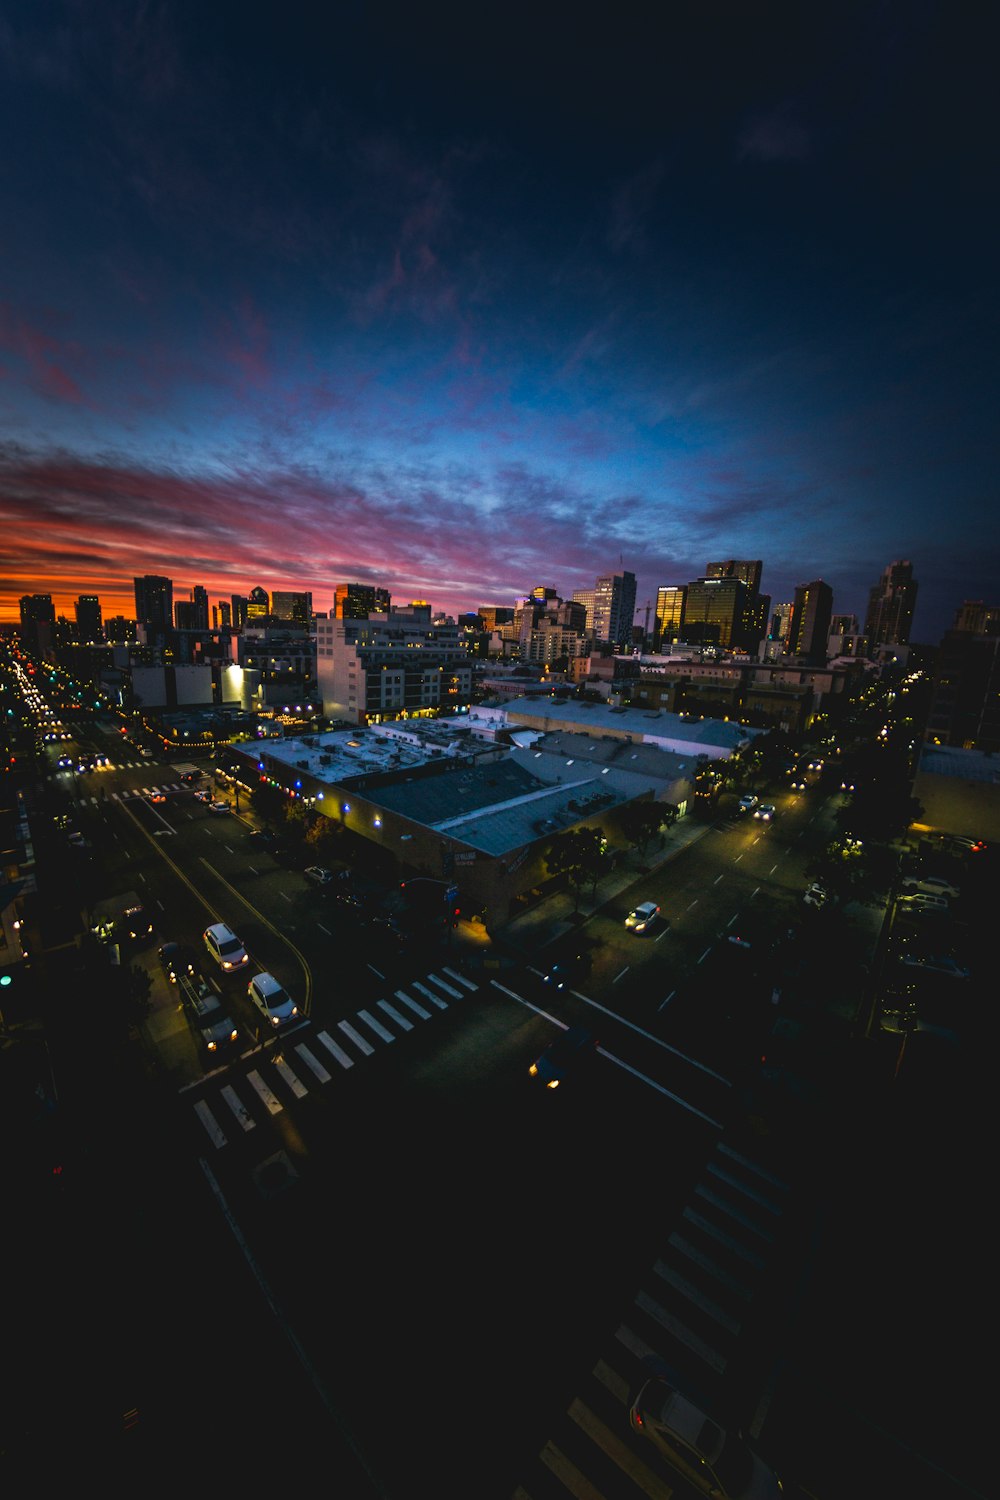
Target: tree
(270, 802)
(576, 854)
(640, 823)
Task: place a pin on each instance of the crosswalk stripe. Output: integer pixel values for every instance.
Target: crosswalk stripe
(417, 1009)
(448, 989)
(207, 1118)
(313, 1062)
(338, 1052)
(394, 1015)
(733, 1212)
(376, 1026)
(691, 1293)
(430, 995)
(461, 979)
(295, 1083)
(568, 1474)
(707, 1227)
(238, 1108)
(633, 1343)
(612, 1381)
(705, 1352)
(684, 1247)
(743, 1187)
(619, 1452)
(356, 1038)
(264, 1093)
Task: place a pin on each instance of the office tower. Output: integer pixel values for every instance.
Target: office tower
(356, 601)
(38, 617)
(292, 608)
(613, 609)
(199, 598)
(890, 606)
(965, 691)
(780, 622)
(154, 602)
(977, 617)
(668, 625)
(809, 625)
(119, 631)
(722, 612)
(258, 607)
(89, 625)
(225, 613)
(239, 609)
(749, 572)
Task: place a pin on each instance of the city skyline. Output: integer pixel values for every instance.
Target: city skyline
(294, 298)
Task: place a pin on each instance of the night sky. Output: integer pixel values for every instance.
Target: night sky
(466, 300)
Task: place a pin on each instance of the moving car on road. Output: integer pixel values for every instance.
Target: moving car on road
(225, 947)
(564, 1056)
(641, 918)
(318, 875)
(272, 1000)
(714, 1461)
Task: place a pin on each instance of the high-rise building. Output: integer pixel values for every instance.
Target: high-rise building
(809, 624)
(224, 613)
(610, 608)
(239, 608)
(38, 618)
(292, 608)
(890, 606)
(722, 612)
(89, 625)
(668, 625)
(199, 598)
(356, 601)
(258, 607)
(749, 571)
(977, 617)
(154, 602)
(965, 692)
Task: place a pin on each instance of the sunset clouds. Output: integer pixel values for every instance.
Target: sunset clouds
(293, 296)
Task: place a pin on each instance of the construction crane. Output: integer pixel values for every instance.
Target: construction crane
(649, 605)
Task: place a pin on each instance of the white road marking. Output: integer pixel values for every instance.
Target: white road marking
(394, 1015)
(448, 989)
(238, 1108)
(376, 1026)
(295, 1083)
(461, 979)
(265, 1094)
(313, 1062)
(356, 1037)
(206, 1117)
(418, 1010)
(338, 1052)
(667, 1000)
(429, 995)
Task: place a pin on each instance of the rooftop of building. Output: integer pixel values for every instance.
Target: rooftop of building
(725, 734)
(965, 765)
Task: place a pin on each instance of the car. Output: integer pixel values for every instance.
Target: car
(799, 784)
(816, 764)
(935, 964)
(155, 795)
(748, 802)
(963, 842)
(218, 807)
(815, 895)
(262, 836)
(137, 924)
(641, 917)
(765, 812)
(567, 1053)
(847, 785)
(272, 1000)
(388, 930)
(918, 904)
(191, 776)
(350, 899)
(216, 1029)
(100, 761)
(77, 839)
(225, 947)
(203, 796)
(176, 959)
(65, 762)
(318, 875)
(737, 941)
(567, 970)
(714, 1461)
(929, 885)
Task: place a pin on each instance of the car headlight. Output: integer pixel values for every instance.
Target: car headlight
(212, 1046)
(275, 1020)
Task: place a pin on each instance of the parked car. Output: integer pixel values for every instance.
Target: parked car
(815, 895)
(570, 1051)
(218, 807)
(714, 1461)
(225, 947)
(641, 918)
(176, 959)
(272, 1000)
(935, 964)
(203, 796)
(318, 875)
(929, 885)
(921, 903)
